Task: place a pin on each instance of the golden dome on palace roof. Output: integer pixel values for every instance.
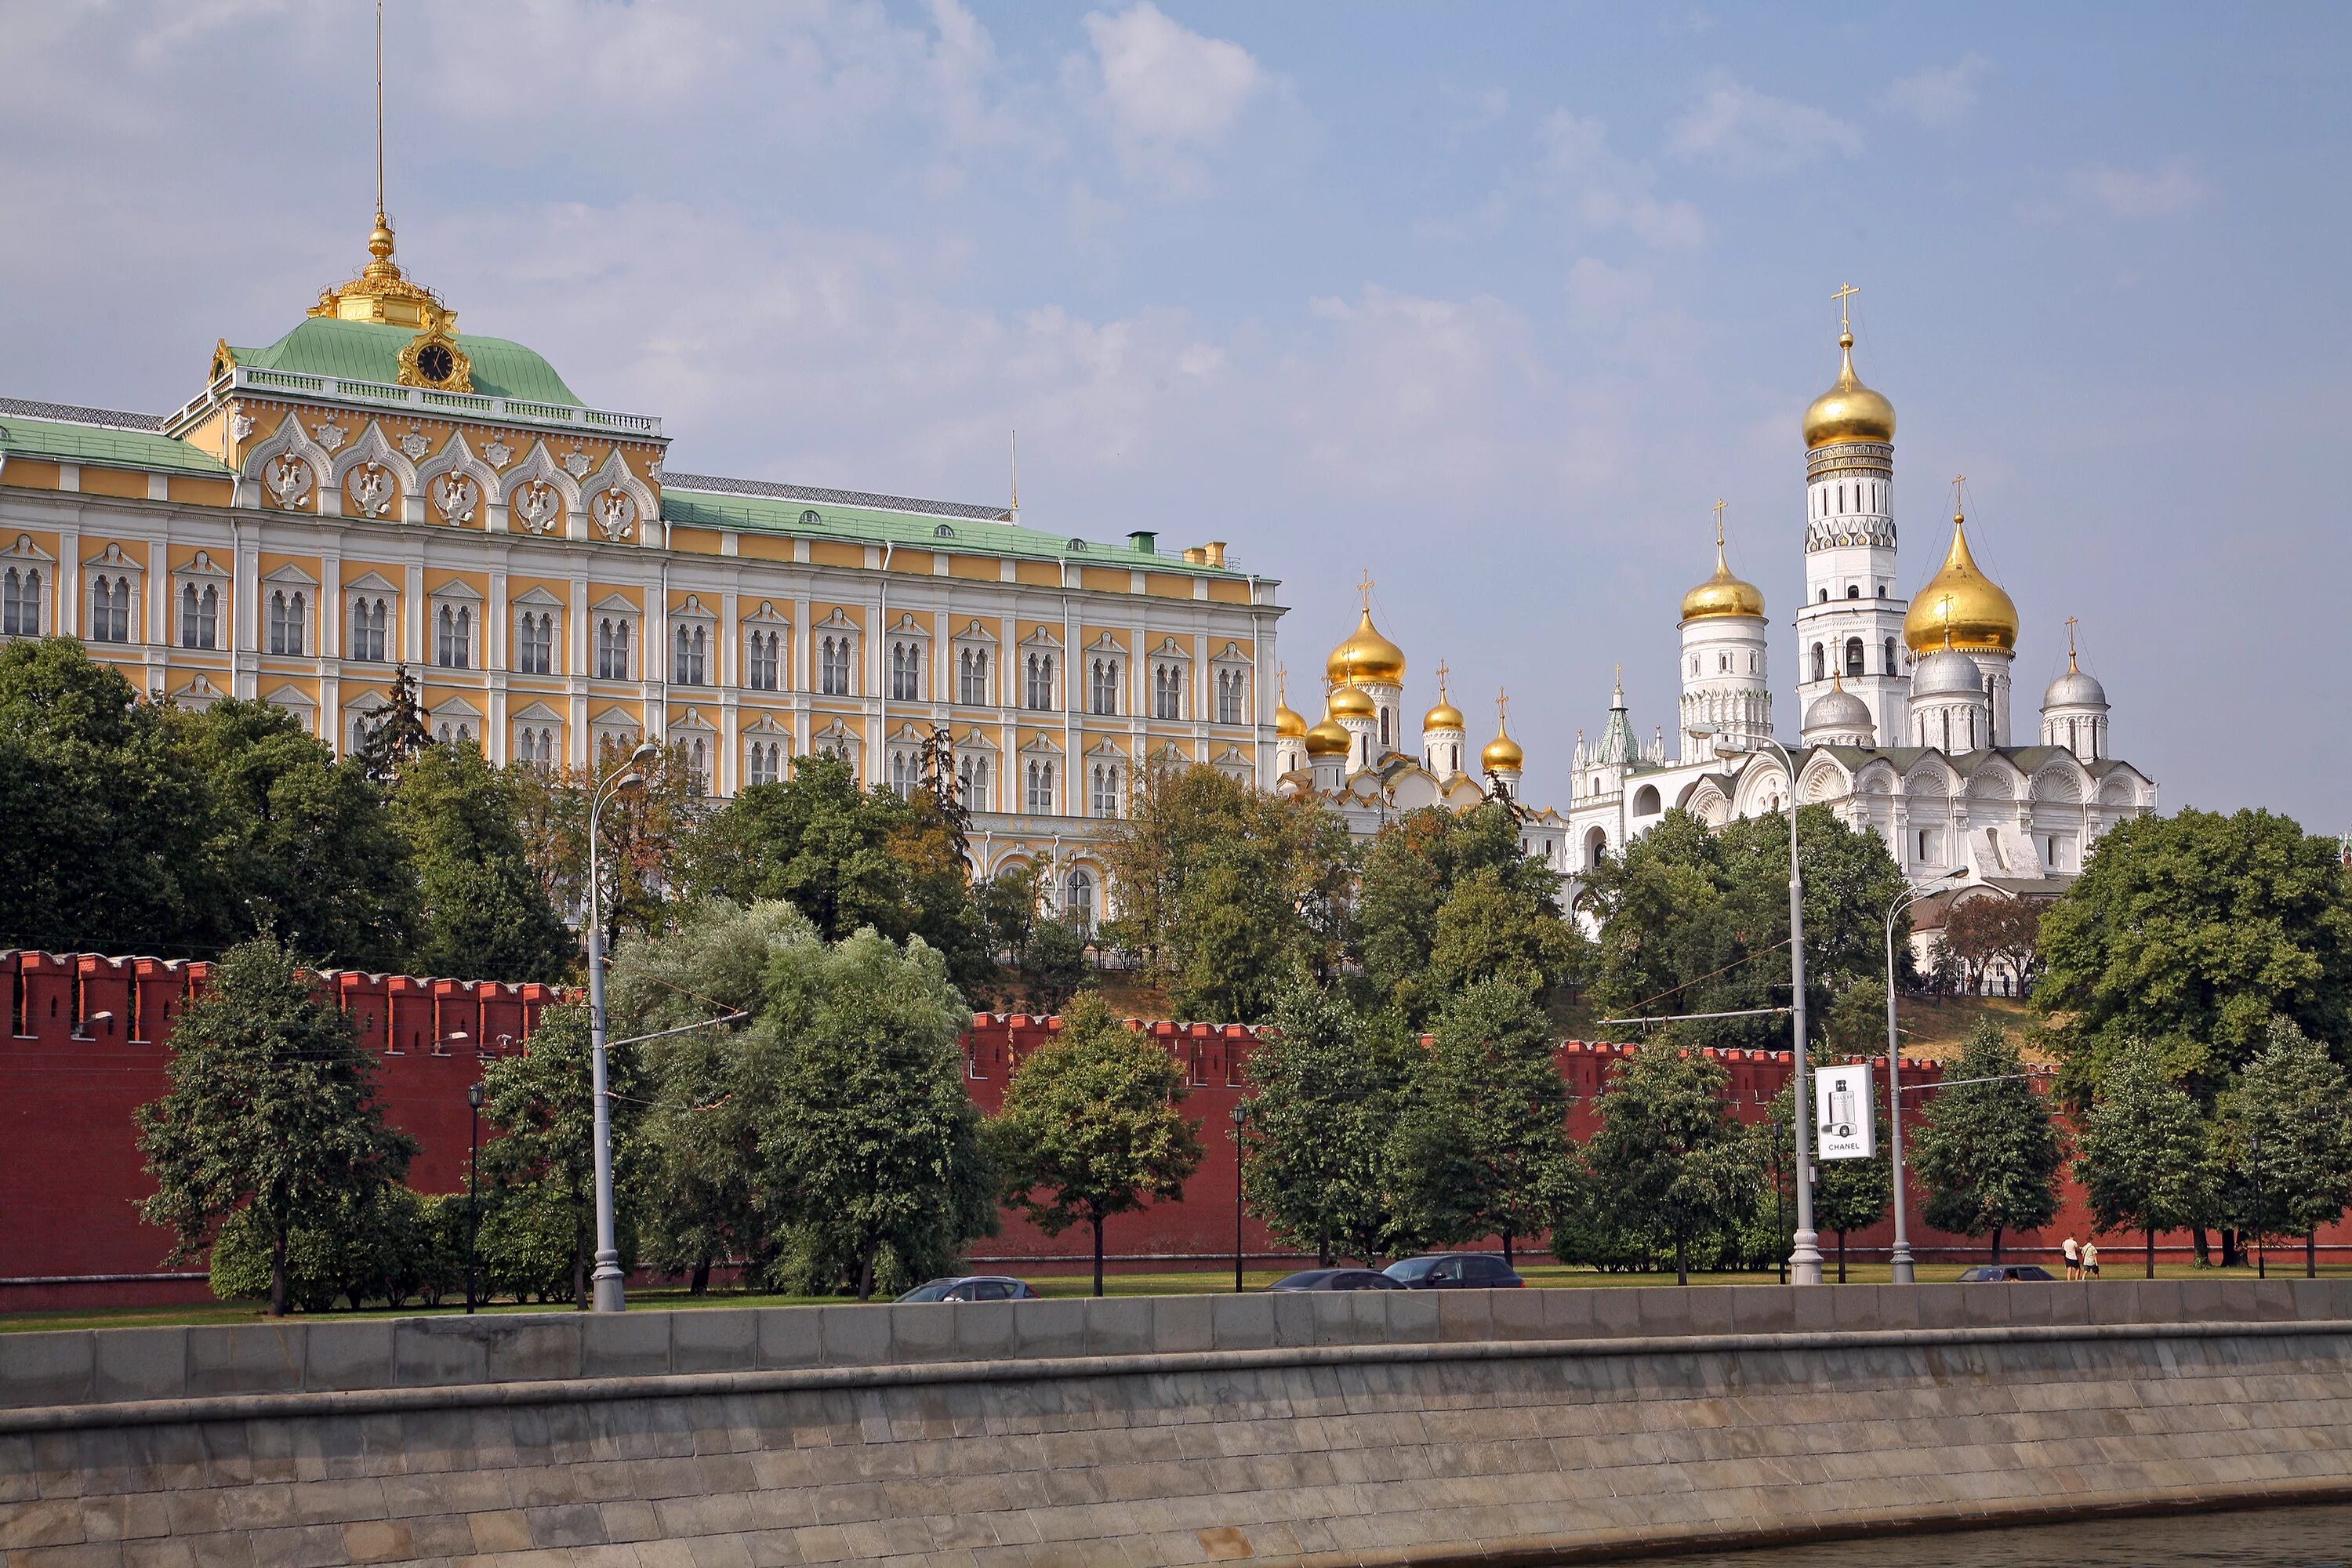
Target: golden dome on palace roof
(1960, 606)
(1327, 740)
(1723, 595)
(1352, 702)
(1848, 411)
(1366, 655)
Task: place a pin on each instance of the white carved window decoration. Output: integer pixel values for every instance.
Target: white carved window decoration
(834, 658)
(906, 671)
(535, 745)
(1102, 687)
(904, 775)
(972, 777)
(366, 637)
(535, 643)
(289, 479)
(763, 668)
(690, 654)
(971, 676)
(288, 618)
(20, 602)
(109, 608)
(1105, 789)
(538, 503)
(1167, 691)
(453, 636)
(1231, 703)
(615, 515)
(1038, 691)
(612, 647)
(369, 491)
(1041, 787)
(763, 762)
(454, 497)
(199, 616)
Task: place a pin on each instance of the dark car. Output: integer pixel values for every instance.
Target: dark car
(973, 1288)
(1337, 1280)
(2012, 1272)
(1455, 1271)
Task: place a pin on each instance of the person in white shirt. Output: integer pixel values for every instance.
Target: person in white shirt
(2073, 1260)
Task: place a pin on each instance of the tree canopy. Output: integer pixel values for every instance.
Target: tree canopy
(2282, 1141)
(1668, 1154)
(1319, 1160)
(2141, 1151)
(486, 911)
(1447, 898)
(1987, 1150)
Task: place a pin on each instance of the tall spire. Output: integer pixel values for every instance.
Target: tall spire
(383, 293)
(1016, 474)
(379, 241)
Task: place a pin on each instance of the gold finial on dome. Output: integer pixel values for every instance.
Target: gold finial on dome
(1961, 607)
(1287, 722)
(2071, 668)
(1723, 595)
(1366, 655)
(1502, 752)
(1444, 716)
(1848, 411)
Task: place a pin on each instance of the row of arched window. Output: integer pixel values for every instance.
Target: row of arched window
(1867, 496)
(1856, 662)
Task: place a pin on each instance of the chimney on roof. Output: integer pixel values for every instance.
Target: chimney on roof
(1143, 542)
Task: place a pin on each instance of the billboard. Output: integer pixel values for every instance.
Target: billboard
(1844, 1120)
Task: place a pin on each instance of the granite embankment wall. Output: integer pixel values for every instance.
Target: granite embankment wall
(1528, 1426)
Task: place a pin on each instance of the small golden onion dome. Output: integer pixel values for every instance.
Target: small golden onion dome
(1960, 606)
(1352, 702)
(1503, 754)
(1327, 740)
(1723, 595)
(1848, 411)
(1288, 721)
(1367, 656)
(1444, 716)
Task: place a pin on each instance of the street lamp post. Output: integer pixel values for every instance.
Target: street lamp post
(1240, 1115)
(1899, 1268)
(473, 1191)
(607, 1280)
(1805, 1255)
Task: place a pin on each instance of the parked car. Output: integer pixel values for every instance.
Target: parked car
(1455, 1271)
(2012, 1272)
(1337, 1280)
(973, 1288)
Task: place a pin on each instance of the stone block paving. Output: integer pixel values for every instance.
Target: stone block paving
(1307, 1465)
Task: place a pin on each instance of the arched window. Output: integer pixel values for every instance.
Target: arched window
(285, 622)
(833, 667)
(1853, 656)
(1230, 703)
(1102, 686)
(1167, 691)
(1821, 663)
(1079, 899)
(972, 775)
(1038, 691)
(1854, 590)
(199, 616)
(1825, 596)
(688, 655)
(971, 676)
(454, 638)
(20, 605)
(761, 670)
(1105, 790)
(1891, 666)
(365, 637)
(1041, 787)
(906, 671)
(612, 648)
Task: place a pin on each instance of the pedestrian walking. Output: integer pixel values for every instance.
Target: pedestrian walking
(2090, 1260)
(2073, 1260)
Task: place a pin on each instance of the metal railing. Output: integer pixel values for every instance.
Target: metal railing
(421, 399)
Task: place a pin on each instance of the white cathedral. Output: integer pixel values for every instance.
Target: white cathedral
(1907, 707)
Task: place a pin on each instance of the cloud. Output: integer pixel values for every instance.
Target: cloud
(1609, 193)
(1168, 93)
(1941, 96)
(1743, 131)
(1602, 296)
(2132, 193)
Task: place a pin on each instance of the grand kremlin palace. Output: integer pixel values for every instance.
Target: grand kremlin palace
(376, 488)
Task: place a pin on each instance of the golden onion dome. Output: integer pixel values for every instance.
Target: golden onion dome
(1848, 411)
(1352, 702)
(1502, 752)
(1723, 595)
(1288, 721)
(1327, 740)
(1366, 655)
(1444, 716)
(1960, 606)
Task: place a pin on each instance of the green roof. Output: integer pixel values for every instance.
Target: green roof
(807, 517)
(67, 441)
(368, 351)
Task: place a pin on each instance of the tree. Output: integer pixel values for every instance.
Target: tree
(486, 911)
(109, 840)
(1054, 968)
(1091, 1127)
(398, 733)
(1482, 1146)
(707, 1201)
(272, 1110)
(313, 853)
(541, 1166)
(1319, 1162)
(2283, 1141)
(2142, 1152)
(1987, 927)
(1987, 1152)
(873, 1146)
(1856, 1024)
(1229, 893)
(1668, 1152)
(1848, 1195)
(2188, 934)
(1415, 868)
(641, 836)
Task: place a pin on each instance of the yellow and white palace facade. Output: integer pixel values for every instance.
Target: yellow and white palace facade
(376, 489)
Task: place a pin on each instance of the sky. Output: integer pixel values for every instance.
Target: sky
(1492, 302)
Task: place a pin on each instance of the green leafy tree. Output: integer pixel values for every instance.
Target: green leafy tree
(2142, 1151)
(1984, 928)
(109, 840)
(1054, 968)
(873, 1147)
(1319, 1162)
(398, 733)
(1507, 917)
(1092, 1127)
(1482, 1148)
(486, 911)
(1668, 1152)
(2189, 932)
(1848, 1195)
(1228, 893)
(1856, 1024)
(2283, 1141)
(707, 1197)
(1987, 1151)
(541, 1165)
(272, 1109)
(641, 835)
(312, 851)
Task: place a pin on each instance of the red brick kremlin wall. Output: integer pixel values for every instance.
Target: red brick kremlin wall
(70, 1174)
